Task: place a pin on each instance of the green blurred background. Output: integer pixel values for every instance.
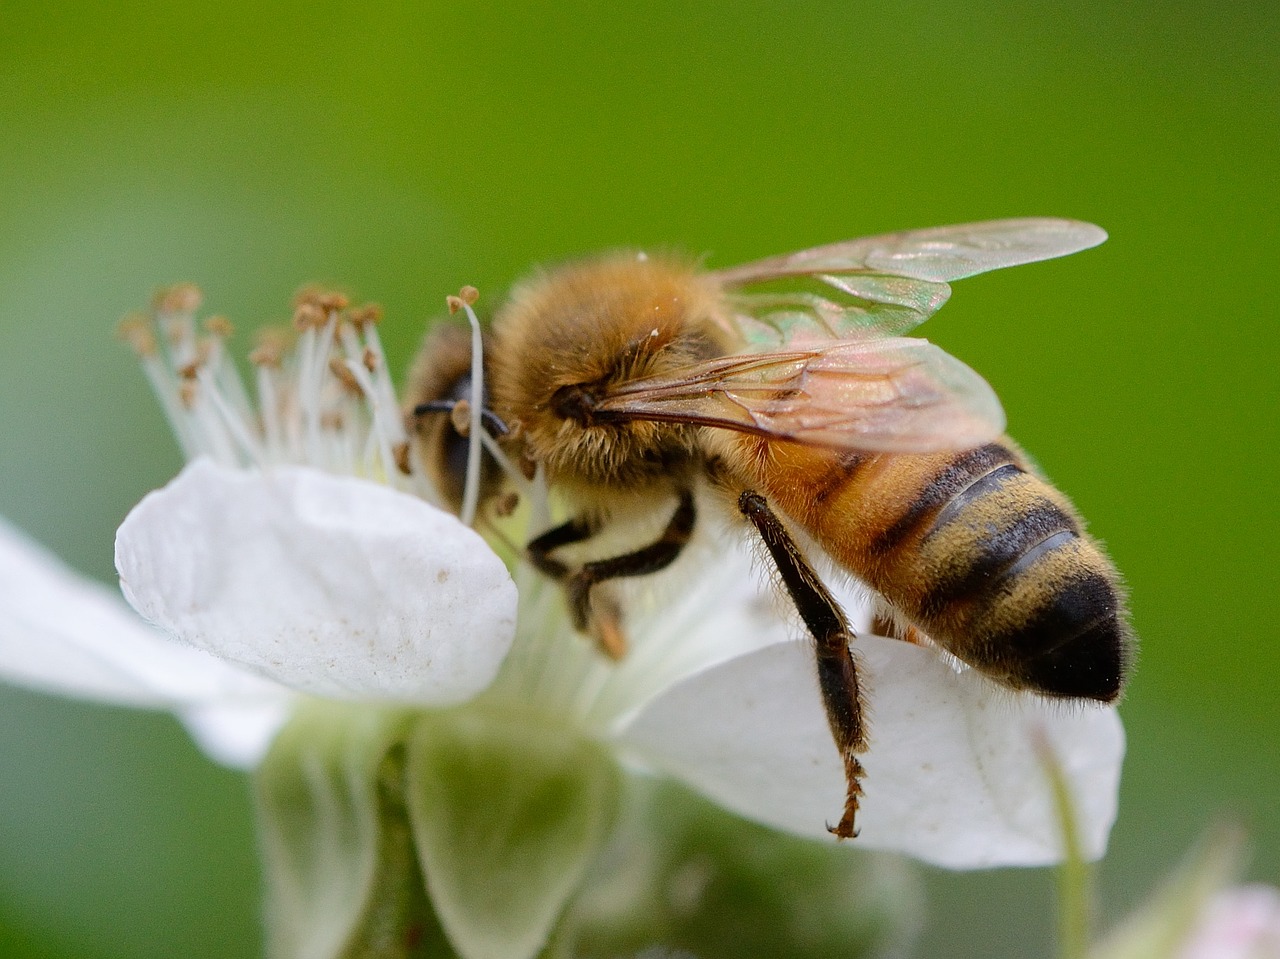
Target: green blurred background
(404, 150)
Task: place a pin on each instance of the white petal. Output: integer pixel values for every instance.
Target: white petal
(62, 632)
(237, 735)
(952, 776)
(330, 585)
(722, 607)
(1240, 923)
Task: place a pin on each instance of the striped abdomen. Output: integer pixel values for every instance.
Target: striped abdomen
(977, 551)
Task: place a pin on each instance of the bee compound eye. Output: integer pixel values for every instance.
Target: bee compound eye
(575, 403)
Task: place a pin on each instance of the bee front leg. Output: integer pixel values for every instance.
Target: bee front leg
(599, 616)
(603, 620)
(540, 548)
(837, 671)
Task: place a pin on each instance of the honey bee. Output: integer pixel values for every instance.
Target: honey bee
(786, 389)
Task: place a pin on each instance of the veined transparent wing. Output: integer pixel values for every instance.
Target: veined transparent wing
(887, 285)
(892, 395)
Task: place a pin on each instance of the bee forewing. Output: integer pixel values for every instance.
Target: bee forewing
(892, 395)
(882, 306)
(939, 254)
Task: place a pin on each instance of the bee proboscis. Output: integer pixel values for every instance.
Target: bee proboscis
(785, 390)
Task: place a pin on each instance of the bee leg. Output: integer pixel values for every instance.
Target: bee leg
(837, 671)
(603, 619)
(541, 547)
(605, 623)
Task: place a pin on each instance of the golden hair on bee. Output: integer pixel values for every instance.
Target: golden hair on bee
(650, 379)
(585, 329)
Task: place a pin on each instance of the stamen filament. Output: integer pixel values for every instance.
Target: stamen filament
(382, 377)
(471, 491)
(234, 423)
(165, 387)
(228, 381)
(522, 483)
(308, 395)
(209, 427)
(269, 404)
(178, 334)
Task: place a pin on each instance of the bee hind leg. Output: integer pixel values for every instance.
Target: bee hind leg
(837, 670)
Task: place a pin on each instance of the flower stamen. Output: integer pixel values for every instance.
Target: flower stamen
(471, 490)
(324, 400)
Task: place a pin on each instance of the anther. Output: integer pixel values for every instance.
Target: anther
(135, 329)
(326, 301)
(219, 326)
(368, 315)
(333, 301)
(400, 451)
(344, 375)
(179, 298)
(467, 296)
(308, 316)
(506, 504)
(370, 360)
(272, 345)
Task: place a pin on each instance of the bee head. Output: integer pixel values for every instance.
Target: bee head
(569, 338)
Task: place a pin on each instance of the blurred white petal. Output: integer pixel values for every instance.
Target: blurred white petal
(330, 585)
(237, 734)
(64, 633)
(951, 777)
(1240, 923)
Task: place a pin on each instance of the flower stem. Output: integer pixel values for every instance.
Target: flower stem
(1075, 876)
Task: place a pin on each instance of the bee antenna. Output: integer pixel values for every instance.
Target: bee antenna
(493, 423)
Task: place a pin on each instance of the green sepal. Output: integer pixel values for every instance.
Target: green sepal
(341, 875)
(507, 817)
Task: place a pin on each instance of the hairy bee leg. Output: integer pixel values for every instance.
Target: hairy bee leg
(885, 626)
(837, 671)
(605, 624)
(650, 559)
(541, 547)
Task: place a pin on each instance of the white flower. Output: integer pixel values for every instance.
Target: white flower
(1196, 912)
(294, 558)
(1242, 922)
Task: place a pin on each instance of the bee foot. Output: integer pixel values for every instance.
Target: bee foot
(606, 628)
(845, 828)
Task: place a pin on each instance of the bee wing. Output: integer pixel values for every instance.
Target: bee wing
(938, 254)
(895, 281)
(892, 395)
